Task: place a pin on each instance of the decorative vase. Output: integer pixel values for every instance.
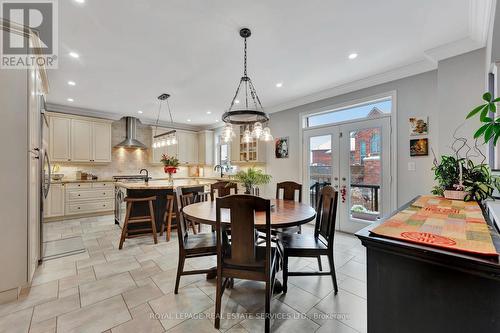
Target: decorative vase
(170, 170)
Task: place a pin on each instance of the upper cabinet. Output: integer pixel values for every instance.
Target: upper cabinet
(79, 139)
(186, 149)
(251, 152)
(101, 136)
(206, 147)
(59, 138)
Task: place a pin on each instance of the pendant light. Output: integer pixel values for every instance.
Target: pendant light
(246, 108)
(168, 138)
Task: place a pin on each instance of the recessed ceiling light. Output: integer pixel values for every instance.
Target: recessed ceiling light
(216, 120)
(70, 100)
(72, 83)
(236, 101)
(139, 112)
(353, 56)
(209, 112)
(279, 84)
(80, 1)
(189, 120)
(74, 55)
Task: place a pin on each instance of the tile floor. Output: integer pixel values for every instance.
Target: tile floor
(107, 290)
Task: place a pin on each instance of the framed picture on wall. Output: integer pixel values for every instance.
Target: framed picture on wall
(419, 147)
(281, 147)
(418, 126)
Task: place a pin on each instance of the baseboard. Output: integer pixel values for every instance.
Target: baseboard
(9, 295)
(76, 216)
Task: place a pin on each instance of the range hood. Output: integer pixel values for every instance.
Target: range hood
(130, 138)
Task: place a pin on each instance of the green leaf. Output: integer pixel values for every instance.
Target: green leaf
(487, 96)
(484, 114)
(480, 131)
(476, 110)
(495, 140)
(496, 100)
(488, 134)
(493, 107)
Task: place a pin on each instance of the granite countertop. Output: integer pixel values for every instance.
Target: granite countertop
(164, 184)
(65, 181)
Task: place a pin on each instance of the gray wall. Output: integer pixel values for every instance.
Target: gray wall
(444, 95)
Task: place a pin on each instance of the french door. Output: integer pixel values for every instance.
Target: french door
(355, 158)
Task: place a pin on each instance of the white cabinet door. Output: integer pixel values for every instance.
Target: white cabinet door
(187, 147)
(101, 142)
(81, 140)
(59, 139)
(54, 204)
(206, 147)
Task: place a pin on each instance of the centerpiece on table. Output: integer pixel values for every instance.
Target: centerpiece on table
(170, 165)
(251, 178)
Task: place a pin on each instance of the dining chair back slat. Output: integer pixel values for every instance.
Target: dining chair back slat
(326, 215)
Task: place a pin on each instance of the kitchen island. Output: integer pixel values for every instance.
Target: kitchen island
(413, 287)
(158, 188)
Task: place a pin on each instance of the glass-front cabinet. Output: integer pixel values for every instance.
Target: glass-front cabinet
(249, 152)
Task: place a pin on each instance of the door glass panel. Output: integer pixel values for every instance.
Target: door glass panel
(320, 165)
(365, 173)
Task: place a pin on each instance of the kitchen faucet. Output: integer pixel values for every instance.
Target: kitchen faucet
(146, 179)
(221, 168)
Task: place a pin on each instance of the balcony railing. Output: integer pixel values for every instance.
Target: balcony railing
(373, 192)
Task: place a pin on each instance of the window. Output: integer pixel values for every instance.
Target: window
(367, 110)
(375, 144)
(362, 150)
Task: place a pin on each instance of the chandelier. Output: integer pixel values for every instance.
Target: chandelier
(168, 138)
(246, 108)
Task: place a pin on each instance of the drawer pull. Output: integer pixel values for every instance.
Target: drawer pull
(78, 194)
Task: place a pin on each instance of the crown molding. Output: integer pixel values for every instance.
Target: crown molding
(415, 68)
(113, 116)
(479, 20)
(457, 47)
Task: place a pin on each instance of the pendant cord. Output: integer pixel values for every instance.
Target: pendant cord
(157, 119)
(170, 113)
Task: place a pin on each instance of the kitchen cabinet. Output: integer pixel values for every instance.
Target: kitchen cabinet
(101, 142)
(79, 139)
(251, 152)
(187, 151)
(206, 147)
(88, 198)
(59, 138)
(54, 203)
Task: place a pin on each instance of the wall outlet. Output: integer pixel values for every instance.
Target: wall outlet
(411, 166)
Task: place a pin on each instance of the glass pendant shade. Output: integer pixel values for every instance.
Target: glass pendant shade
(257, 130)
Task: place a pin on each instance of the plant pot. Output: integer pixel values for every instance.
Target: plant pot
(455, 195)
(369, 216)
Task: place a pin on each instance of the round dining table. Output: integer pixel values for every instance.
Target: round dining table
(284, 214)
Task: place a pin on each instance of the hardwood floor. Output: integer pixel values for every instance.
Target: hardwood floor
(107, 290)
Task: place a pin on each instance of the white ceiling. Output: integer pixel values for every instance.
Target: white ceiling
(132, 51)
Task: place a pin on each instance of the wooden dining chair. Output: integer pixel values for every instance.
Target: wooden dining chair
(188, 199)
(316, 245)
(192, 246)
(289, 188)
(241, 258)
(222, 188)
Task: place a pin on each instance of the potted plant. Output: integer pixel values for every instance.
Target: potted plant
(461, 179)
(360, 212)
(170, 165)
(250, 178)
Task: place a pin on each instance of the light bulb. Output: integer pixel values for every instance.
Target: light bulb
(169, 142)
(247, 136)
(174, 140)
(163, 143)
(266, 134)
(257, 130)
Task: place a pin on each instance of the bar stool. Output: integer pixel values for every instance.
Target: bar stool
(170, 213)
(126, 233)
